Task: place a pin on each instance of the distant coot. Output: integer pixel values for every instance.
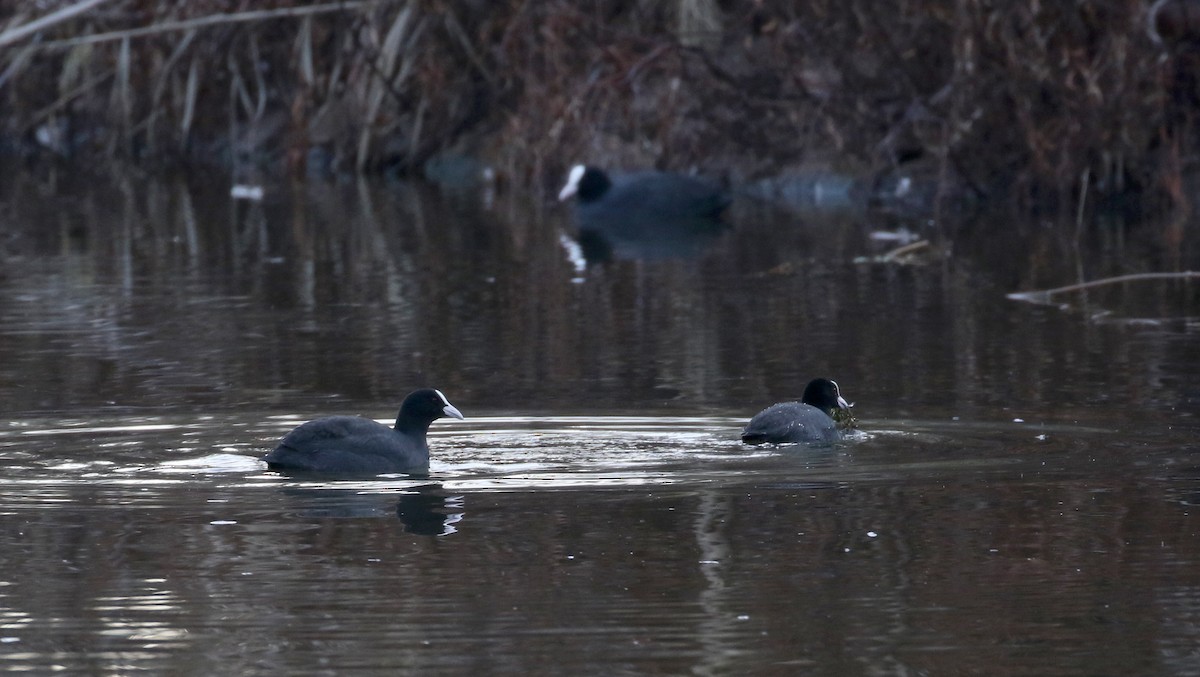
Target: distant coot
(360, 446)
(810, 420)
(642, 195)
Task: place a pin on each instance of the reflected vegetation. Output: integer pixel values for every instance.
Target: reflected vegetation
(1022, 471)
(125, 292)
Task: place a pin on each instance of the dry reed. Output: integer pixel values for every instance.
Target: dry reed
(1055, 104)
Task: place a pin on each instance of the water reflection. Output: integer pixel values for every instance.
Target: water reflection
(651, 541)
(1024, 473)
(426, 509)
(430, 511)
(656, 240)
(173, 295)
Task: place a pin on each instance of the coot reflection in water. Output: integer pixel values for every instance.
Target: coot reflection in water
(648, 239)
(430, 511)
(427, 509)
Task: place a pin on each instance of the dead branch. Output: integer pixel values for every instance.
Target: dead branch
(201, 22)
(1043, 296)
(13, 34)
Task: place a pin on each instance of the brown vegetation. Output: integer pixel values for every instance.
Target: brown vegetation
(1047, 102)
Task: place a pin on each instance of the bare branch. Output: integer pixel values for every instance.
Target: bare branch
(204, 21)
(12, 35)
(1043, 296)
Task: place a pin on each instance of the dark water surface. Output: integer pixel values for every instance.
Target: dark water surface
(1021, 498)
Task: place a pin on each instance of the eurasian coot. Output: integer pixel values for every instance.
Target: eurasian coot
(642, 195)
(360, 446)
(809, 420)
(644, 215)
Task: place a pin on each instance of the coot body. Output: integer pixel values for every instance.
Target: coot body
(644, 215)
(638, 196)
(353, 445)
(809, 420)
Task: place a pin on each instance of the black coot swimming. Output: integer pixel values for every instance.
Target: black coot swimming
(360, 446)
(646, 194)
(644, 215)
(810, 420)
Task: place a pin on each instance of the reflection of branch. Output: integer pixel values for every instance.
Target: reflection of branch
(1044, 295)
(904, 250)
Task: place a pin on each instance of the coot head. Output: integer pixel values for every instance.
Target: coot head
(824, 394)
(586, 184)
(422, 407)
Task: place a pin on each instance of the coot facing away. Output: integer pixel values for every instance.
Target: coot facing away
(809, 420)
(353, 445)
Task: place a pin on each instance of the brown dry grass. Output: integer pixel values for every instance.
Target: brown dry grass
(1052, 103)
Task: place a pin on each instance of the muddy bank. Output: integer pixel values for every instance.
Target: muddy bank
(1044, 105)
